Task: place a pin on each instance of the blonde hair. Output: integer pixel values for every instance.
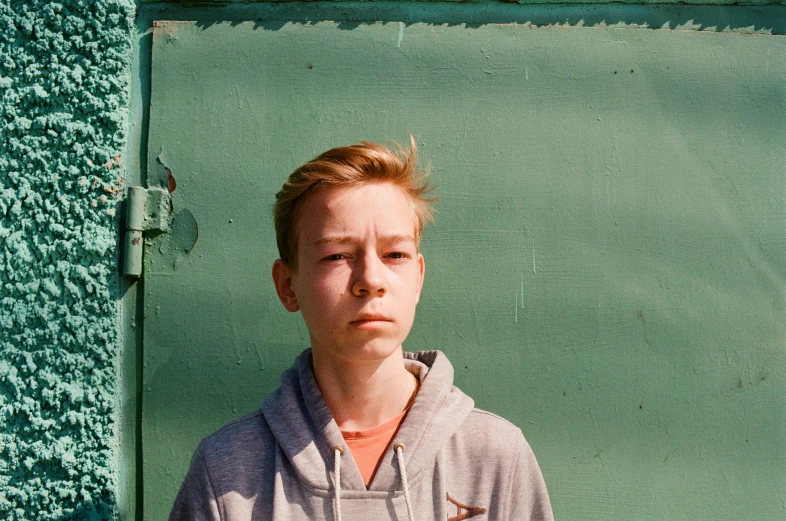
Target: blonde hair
(352, 165)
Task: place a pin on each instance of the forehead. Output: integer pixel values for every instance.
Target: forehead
(378, 208)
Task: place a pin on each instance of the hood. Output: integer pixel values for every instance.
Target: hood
(306, 431)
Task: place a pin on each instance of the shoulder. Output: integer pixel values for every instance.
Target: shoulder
(237, 432)
(491, 419)
(239, 457)
(482, 432)
(507, 455)
(500, 441)
(492, 429)
(242, 443)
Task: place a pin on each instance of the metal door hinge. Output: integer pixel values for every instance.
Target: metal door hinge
(147, 209)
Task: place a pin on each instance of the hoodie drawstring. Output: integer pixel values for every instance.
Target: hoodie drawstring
(337, 452)
(398, 448)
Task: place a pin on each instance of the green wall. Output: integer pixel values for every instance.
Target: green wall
(606, 269)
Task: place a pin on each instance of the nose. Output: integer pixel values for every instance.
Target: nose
(369, 277)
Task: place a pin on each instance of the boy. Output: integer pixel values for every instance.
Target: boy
(360, 430)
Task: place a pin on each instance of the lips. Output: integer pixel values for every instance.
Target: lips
(363, 319)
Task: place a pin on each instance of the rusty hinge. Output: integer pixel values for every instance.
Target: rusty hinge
(147, 209)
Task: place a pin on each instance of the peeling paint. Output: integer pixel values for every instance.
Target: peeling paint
(181, 238)
(171, 184)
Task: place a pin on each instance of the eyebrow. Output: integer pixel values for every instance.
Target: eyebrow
(346, 239)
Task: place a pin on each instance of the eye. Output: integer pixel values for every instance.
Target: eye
(398, 255)
(333, 257)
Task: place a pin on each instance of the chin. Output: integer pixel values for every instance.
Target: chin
(378, 349)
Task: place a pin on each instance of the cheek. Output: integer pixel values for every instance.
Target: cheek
(321, 289)
(412, 280)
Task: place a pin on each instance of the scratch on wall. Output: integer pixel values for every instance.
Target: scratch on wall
(534, 262)
(522, 292)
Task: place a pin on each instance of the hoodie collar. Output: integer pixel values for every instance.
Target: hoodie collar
(306, 431)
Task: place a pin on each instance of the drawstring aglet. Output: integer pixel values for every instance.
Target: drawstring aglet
(398, 448)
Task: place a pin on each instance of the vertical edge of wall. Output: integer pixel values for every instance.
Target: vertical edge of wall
(131, 290)
(130, 498)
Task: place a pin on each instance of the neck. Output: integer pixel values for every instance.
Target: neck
(362, 394)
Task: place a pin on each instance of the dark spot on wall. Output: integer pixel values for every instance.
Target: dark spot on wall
(181, 238)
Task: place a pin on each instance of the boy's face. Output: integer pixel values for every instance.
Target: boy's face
(359, 271)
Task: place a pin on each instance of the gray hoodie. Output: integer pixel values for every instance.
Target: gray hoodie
(288, 461)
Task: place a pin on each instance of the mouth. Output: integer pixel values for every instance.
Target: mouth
(370, 320)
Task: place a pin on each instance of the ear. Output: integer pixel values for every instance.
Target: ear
(282, 278)
(421, 274)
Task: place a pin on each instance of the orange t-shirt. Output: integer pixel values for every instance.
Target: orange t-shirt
(368, 447)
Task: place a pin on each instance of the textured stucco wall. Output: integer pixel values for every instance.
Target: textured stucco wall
(64, 76)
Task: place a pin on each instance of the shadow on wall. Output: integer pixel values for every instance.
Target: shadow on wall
(696, 18)
(766, 19)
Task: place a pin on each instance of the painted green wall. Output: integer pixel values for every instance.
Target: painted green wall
(607, 266)
(64, 78)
